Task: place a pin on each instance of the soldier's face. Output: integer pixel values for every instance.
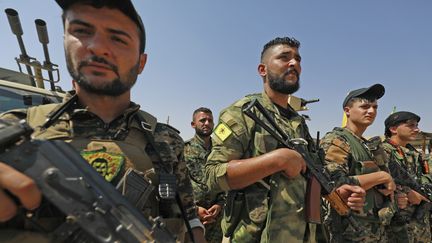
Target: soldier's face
(362, 112)
(282, 64)
(203, 124)
(406, 131)
(102, 49)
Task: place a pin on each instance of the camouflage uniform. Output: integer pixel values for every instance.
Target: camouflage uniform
(270, 210)
(195, 156)
(111, 149)
(346, 156)
(411, 160)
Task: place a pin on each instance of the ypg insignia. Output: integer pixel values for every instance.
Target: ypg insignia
(107, 164)
(222, 131)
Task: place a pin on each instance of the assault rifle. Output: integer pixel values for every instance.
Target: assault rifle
(403, 178)
(67, 181)
(316, 170)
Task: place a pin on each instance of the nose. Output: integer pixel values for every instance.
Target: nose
(98, 45)
(294, 63)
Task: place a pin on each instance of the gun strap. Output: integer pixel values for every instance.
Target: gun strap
(151, 142)
(58, 111)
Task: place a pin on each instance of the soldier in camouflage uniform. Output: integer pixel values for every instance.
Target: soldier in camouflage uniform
(266, 191)
(104, 45)
(400, 129)
(196, 150)
(349, 160)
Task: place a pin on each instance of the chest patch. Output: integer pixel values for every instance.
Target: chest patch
(107, 164)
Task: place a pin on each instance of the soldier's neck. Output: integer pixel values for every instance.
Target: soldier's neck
(398, 141)
(105, 107)
(356, 129)
(207, 141)
(277, 98)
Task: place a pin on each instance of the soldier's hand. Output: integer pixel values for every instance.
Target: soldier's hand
(389, 185)
(202, 213)
(415, 198)
(292, 162)
(21, 186)
(354, 196)
(215, 210)
(402, 200)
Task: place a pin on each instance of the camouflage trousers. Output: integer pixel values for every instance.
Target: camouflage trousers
(339, 230)
(213, 233)
(419, 232)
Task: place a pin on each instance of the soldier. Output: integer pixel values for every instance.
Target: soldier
(266, 191)
(104, 44)
(400, 129)
(196, 151)
(350, 161)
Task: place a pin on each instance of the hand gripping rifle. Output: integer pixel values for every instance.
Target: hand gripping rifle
(317, 171)
(75, 188)
(403, 178)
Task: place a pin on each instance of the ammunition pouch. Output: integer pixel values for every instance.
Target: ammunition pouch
(248, 207)
(234, 206)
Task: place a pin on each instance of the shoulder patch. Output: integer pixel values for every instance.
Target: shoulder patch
(222, 131)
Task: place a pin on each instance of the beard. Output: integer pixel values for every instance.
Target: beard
(202, 133)
(279, 84)
(114, 88)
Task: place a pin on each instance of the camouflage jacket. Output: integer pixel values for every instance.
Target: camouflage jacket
(270, 210)
(411, 161)
(114, 147)
(195, 155)
(346, 156)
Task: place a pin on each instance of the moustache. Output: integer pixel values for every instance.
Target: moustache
(289, 71)
(98, 60)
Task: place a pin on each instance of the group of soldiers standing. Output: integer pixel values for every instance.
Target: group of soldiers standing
(235, 183)
(270, 206)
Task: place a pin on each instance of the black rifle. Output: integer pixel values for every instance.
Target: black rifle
(316, 170)
(403, 178)
(75, 188)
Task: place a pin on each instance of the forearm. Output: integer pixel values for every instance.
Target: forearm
(367, 181)
(242, 173)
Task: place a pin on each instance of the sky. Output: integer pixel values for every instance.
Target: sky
(205, 53)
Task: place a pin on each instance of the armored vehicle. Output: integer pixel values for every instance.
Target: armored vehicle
(23, 89)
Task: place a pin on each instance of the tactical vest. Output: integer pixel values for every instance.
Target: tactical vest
(363, 162)
(131, 148)
(271, 210)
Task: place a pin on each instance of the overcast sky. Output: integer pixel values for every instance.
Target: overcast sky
(205, 53)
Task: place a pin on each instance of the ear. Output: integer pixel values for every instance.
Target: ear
(142, 62)
(262, 70)
(393, 129)
(193, 125)
(347, 111)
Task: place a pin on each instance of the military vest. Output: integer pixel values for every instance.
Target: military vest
(363, 162)
(111, 152)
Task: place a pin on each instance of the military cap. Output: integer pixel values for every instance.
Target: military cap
(125, 6)
(400, 117)
(375, 91)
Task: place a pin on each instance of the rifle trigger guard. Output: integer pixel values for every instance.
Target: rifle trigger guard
(299, 141)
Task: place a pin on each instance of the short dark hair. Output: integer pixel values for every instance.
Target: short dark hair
(126, 8)
(290, 41)
(356, 99)
(201, 109)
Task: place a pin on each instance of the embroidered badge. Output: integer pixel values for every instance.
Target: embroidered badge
(222, 131)
(105, 163)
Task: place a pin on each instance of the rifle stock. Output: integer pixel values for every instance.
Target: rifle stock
(75, 188)
(316, 171)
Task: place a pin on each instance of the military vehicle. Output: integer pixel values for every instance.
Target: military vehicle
(24, 89)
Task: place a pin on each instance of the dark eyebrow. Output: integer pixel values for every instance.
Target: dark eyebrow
(119, 32)
(112, 31)
(80, 22)
(289, 53)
